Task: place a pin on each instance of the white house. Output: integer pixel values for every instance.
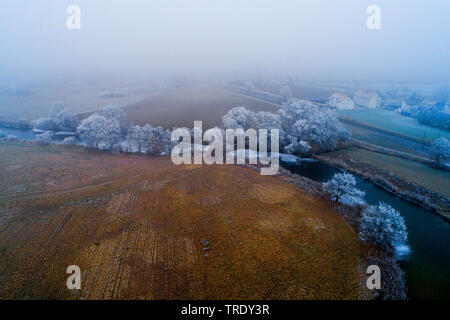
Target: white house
(341, 101)
(368, 99)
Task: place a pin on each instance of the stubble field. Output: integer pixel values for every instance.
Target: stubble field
(140, 227)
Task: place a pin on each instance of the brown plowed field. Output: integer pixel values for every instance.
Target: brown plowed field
(142, 228)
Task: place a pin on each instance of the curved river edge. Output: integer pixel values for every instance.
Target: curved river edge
(430, 200)
(394, 284)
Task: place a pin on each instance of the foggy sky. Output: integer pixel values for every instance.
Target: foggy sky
(309, 37)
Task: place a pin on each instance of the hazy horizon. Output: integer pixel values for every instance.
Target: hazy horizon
(218, 37)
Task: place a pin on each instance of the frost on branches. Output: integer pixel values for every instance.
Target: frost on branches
(342, 188)
(382, 225)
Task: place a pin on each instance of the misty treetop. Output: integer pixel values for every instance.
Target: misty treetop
(304, 127)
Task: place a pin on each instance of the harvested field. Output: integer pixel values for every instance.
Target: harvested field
(181, 106)
(299, 91)
(141, 228)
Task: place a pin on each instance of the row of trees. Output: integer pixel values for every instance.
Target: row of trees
(435, 117)
(380, 224)
(304, 127)
(105, 130)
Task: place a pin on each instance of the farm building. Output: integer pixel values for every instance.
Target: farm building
(341, 101)
(368, 99)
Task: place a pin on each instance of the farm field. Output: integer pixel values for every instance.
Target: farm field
(77, 96)
(181, 106)
(140, 227)
(386, 140)
(298, 91)
(421, 174)
(394, 122)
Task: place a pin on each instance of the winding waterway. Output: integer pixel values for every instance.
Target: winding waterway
(426, 259)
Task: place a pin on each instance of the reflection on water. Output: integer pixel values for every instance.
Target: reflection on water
(403, 251)
(426, 257)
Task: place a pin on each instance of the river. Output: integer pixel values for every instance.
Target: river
(426, 259)
(26, 134)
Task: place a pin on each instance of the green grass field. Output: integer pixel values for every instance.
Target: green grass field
(430, 178)
(392, 121)
(387, 141)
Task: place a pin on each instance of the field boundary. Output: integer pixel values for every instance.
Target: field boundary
(375, 128)
(391, 152)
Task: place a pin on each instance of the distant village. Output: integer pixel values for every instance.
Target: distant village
(431, 112)
(430, 106)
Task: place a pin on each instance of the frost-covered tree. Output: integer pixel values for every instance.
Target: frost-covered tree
(61, 119)
(286, 92)
(303, 126)
(44, 123)
(304, 123)
(115, 112)
(147, 140)
(239, 118)
(342, 188)
(440, 152)
(266, 120)
(44, 138)
(243, 118)
(298, 147)
(382, 225)
(99, 132)
(65, 120)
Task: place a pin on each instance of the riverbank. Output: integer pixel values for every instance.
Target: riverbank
(398, 186)
(393, 284)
